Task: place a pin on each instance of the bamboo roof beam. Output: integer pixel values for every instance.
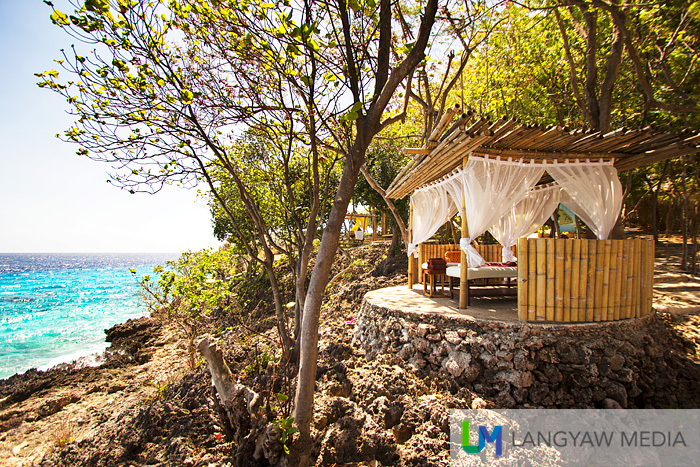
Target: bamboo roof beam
(509, 138)
(441, 126)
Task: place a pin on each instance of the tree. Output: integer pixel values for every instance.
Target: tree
(168, 83)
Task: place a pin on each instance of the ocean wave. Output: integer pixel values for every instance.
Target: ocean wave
(52, 316)
(17, 299)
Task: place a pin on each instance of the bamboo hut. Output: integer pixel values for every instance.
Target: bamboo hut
(561, 280)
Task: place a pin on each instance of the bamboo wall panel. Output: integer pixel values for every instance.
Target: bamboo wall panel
(624, 297)
(575, 270)
(584, 280)
(427, 251)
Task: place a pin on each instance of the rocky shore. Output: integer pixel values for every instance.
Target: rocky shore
(376, 405)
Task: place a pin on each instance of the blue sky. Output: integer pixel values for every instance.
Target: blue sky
(52, 200)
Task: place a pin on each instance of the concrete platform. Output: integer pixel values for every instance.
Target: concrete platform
(401, 298)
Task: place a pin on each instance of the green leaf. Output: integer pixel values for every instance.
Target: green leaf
(314, 45)
(186, 96)
(98, 6)
(59, 18)
(307, 80)
(355, 5)
(282, 397)
(356, 106)
(370, 3)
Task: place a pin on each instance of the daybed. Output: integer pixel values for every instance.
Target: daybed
(484, 272)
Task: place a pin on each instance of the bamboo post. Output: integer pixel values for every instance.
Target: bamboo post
(607, 250)
(418, 275)
(559, 274)
(616, 283)
(643, 290)
(532, 280)
(522, 278)
(590, 292)
(630, 280)
(575, 272)
(583, 282)
(567, 245)
(411, 271)
(599, 279)
(463, 276)
(549, 304)
(624, 286)
(638, 277)
(541, 278)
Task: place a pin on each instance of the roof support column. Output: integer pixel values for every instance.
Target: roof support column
(411, 269)
(463, 293)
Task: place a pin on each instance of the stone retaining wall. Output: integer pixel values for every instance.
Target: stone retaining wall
(517, 364)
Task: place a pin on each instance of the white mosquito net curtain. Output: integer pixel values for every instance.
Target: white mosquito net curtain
(525, 218)
(491, 188)
(593, 192)
(432, 207)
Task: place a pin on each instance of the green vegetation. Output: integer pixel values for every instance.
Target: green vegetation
(286, 428)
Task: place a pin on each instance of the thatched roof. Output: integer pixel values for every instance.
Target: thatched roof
(451, 141)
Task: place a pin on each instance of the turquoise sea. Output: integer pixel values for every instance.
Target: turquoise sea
(54, 308)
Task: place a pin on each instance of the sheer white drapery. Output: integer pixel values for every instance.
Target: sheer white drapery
(595, 192)
(525, 217)
(491, 187)
(432, 207)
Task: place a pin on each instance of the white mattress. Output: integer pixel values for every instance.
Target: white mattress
(484, 272)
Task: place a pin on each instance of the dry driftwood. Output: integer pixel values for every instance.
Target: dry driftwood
(241, 405)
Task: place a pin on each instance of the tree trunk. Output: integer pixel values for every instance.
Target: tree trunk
(366, 127)
(694, 251)
(319, 278)
(394, 243)
(453, 232)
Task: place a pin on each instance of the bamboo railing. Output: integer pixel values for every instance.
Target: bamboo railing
(584, 280)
